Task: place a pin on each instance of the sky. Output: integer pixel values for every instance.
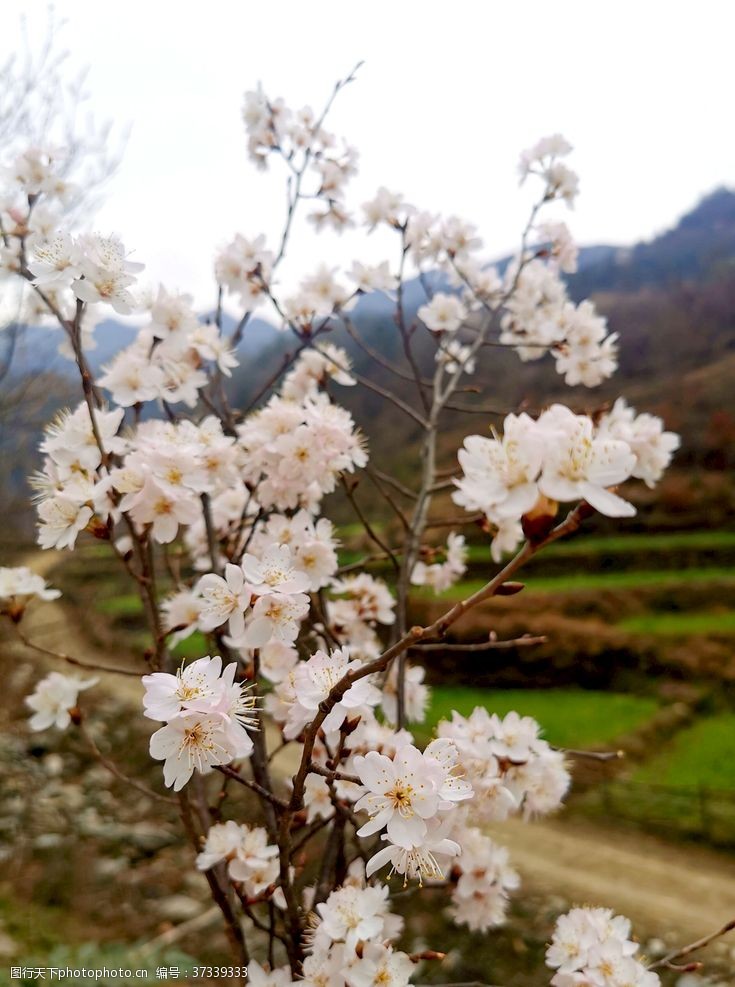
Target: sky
(448, 96)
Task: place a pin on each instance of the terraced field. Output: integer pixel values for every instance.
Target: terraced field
(570, 717)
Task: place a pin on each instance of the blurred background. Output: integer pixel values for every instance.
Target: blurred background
(638, 617)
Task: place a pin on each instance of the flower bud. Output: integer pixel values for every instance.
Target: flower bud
(539, 521)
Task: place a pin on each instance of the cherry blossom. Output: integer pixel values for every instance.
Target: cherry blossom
(195, 741)
(405, 791)
(251, 860)
(592, 945)
(312, 681)
(18, 584)
(224, 600)
(444, 313)
(54, 698)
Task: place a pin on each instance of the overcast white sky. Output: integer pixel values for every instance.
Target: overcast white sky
(449, 94)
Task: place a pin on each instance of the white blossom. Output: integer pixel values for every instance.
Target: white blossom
(53, 699)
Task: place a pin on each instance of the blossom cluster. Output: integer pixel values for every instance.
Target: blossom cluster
(351, 942)
(251, 860)
(411, 797)
(295, 450)
(562, 457)
(540, 318)
(207, 716)
(67, 486)
(511, 770)
(484, 881)
(33, 197)
(593, 946)
(301, 139)
(167, 360)
(95, 267)
(511, 767)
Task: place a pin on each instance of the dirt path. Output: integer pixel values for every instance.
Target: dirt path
(659, 885)
(49, 625)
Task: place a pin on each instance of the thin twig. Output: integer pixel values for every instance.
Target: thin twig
(113, 769)
(693, 947)
(349, 487)
(73, 661)
(525, 641)
(252, 785)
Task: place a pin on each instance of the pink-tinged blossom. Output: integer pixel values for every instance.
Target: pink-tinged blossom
(61, 519)
(441, 575)
(181, 612)
(416, 694)
(70, 439)
(652, 447)
(106, 273)
(55, 261)
(500, 474)
(163, 510)
(352, 914)
(168, 695)
(385, 207)
(480, 897)
(405, 791)
(275, 616)
(511, 768)
(592, 946)
(312, 682)
(423, 862)
(382, 965)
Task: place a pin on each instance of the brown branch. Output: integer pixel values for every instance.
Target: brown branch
(379, 358)
(233, 929)
(396, 484)
(253, 785)
(693, 947)
(73, 661)
(388, 498)
(349, 486)
(592, 755)
(316, 769)
(526, 641)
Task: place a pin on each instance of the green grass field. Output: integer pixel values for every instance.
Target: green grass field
(613, 544)
(194, 646)
(123, 605)
(601, 580)
(681, 624)
(569, 717)
(700, 755)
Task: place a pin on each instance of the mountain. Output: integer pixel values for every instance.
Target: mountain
(701, 244)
